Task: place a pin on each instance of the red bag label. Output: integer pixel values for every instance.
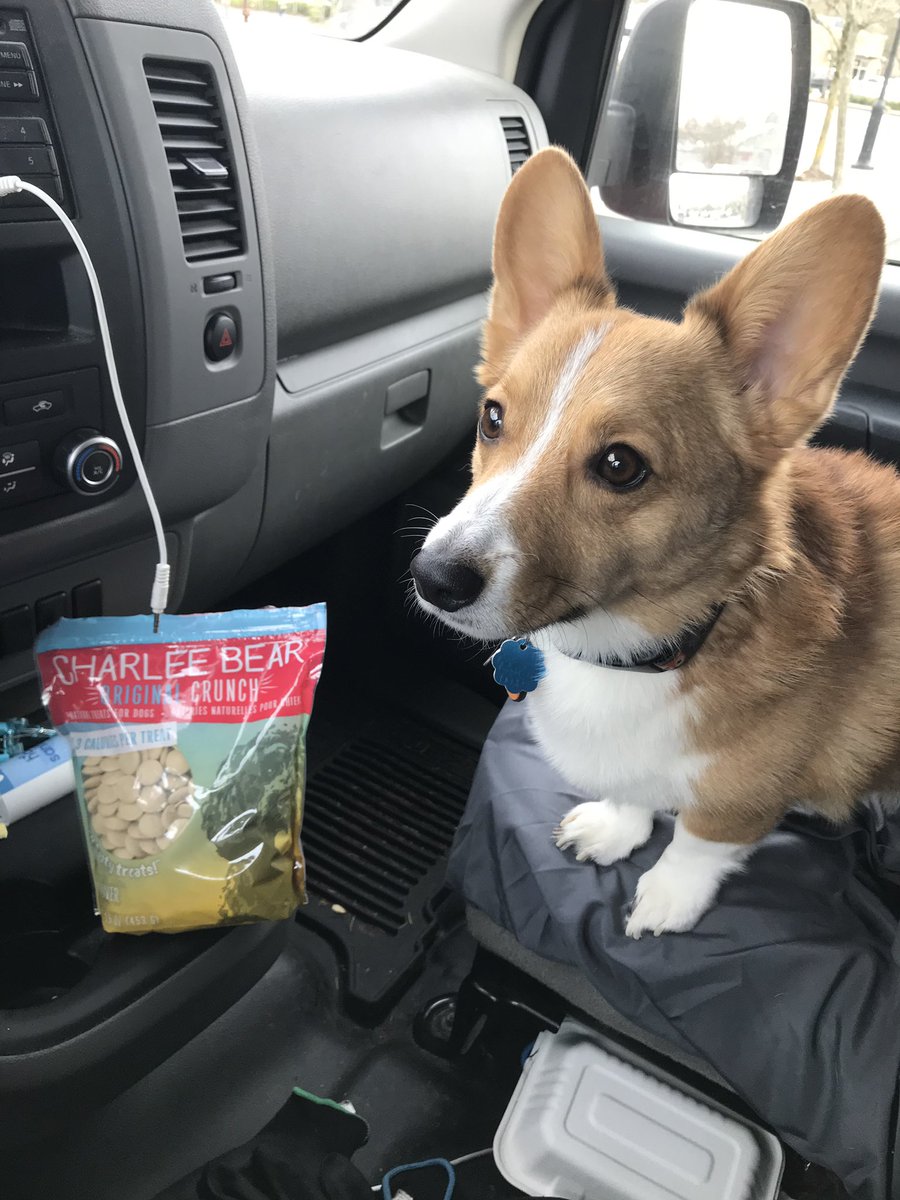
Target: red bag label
(228, 680)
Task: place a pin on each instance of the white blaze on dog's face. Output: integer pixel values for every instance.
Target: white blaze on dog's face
(627, 469)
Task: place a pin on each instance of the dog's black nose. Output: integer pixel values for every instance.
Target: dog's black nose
(446, 584)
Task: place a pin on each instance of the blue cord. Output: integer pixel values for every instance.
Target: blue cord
(428, 1162)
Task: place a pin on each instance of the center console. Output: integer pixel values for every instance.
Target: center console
(60, 442)
(130, 116)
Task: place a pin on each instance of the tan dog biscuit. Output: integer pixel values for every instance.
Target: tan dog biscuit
(137, 807)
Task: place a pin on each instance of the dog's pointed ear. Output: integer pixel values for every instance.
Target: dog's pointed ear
(794, 312)
(547, 242)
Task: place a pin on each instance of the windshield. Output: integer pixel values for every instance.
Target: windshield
(260, 20)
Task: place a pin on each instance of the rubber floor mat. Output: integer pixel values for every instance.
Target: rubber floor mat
(381, 810)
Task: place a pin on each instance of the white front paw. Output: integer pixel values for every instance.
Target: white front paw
(670, 899)
(603, 832)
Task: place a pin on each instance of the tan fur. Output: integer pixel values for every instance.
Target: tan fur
(798, 688)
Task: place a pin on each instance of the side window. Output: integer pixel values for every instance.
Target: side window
(736, 115)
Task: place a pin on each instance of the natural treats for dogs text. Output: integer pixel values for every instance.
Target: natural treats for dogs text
(189, 753)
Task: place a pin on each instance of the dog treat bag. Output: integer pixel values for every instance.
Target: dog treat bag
(189, 754)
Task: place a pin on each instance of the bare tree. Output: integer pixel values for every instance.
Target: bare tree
(713, 141)
(839, 54)
(854, 16)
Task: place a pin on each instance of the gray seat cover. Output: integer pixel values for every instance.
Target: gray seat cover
(789, 988)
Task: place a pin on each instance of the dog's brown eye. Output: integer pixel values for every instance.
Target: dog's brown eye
(491, 424)
(620, 467)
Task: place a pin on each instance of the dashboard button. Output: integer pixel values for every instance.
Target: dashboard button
(219, 283)
(16, 630)
(19, 457)
(23, 409)
(95, 467)
(18, 85)
(21, 487)
(87, 462)
(87, 599)
(220, 337)
(23, 129)
(15, 54)
(49, 184)
(49, 610)
(20, 477)
(27, 160)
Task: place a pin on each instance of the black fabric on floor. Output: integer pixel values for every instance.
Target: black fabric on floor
(302, 1154)
(788, 987)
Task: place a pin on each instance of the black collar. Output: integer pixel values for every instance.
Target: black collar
(678, 651)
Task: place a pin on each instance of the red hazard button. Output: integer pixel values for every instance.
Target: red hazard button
(220, 338)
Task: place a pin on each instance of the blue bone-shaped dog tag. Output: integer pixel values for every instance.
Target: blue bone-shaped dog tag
(518, 667)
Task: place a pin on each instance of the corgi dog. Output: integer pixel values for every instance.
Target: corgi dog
(643, 496)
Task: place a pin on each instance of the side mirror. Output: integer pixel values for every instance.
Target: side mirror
(706, 113)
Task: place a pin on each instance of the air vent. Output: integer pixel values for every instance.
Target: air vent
(517, 144)
(186, 102)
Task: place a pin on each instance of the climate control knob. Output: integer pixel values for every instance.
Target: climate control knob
(87, 462)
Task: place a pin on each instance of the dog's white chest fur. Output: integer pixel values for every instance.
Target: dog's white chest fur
(612, 734)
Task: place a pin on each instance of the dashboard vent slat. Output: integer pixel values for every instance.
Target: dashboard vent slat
(205, 187)
(192, 129)
(196, 252)
(518, 143)
(159, 71)
(163, 98)
(182, 120)
(205, 228)
(177, 145)
(201, 205)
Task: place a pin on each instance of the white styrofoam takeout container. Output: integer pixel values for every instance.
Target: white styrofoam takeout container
(585, 1124)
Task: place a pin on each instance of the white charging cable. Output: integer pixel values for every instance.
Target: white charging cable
(159, 594)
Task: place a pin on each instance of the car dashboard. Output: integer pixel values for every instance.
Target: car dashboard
(294, 254)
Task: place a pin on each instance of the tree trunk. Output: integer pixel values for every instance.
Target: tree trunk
(851, 28)
(814, 170)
